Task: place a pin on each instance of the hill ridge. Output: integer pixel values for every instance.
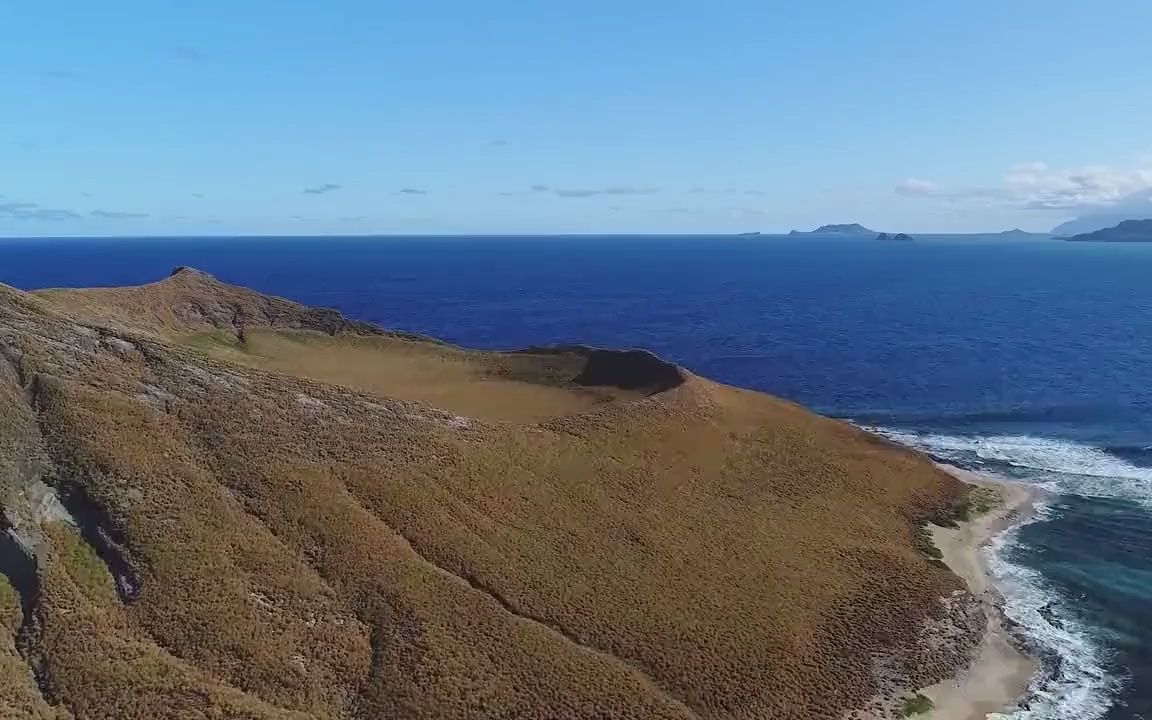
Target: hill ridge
(363, 525)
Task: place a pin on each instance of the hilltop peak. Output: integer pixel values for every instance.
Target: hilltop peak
(188, 271)
(190, 301)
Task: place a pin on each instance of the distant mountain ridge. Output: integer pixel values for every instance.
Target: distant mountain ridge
(1092, 223)
(1127, 231)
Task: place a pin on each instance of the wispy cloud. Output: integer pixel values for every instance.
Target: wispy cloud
(1044, 188)
(49, 215)
(321, 189)
(411, 191)
(188, 53)
(33, 212)
(594, 192)
(750, 192)
(1036, 186)
(117, 215)
(7, 208)
(917, 187)
(62, 75)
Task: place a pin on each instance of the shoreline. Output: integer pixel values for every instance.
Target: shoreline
(1000, 673)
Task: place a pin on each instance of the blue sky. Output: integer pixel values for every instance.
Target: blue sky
(253, 116)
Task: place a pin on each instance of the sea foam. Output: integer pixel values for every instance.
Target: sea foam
(1059, 466)
(1073, 683)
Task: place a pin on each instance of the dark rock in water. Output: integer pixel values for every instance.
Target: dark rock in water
(1049, 614)
(1127, 231)
(898, 237)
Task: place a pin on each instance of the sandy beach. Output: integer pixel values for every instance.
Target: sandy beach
(999, 675)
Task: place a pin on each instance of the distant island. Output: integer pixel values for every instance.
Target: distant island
(847, 229)
(1126, 232)
(1099, 221)
(748, 234)
(1021, 234)
(898, 237)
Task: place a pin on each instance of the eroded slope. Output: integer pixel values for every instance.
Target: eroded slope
(230, 538)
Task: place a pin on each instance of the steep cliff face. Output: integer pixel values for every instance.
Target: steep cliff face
(200, 523)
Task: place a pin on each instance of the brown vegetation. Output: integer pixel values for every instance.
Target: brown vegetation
(515, 387)
(295, 517)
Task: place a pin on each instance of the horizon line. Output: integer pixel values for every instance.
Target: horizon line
(729, 234)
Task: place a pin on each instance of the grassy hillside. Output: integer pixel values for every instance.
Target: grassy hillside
(494, 386)
(250, 509)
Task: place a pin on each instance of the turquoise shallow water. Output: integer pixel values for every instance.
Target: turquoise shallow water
(1029, 360)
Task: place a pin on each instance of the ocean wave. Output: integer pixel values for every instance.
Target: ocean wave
(1073, 682)
(1060, 466)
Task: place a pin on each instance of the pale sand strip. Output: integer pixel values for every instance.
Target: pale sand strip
(999, 675)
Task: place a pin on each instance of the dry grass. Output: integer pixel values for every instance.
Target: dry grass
(491, 386)
(306, 549)
(190, 301)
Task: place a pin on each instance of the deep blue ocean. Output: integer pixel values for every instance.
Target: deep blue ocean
(1031, 360)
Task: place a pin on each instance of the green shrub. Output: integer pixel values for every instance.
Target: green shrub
(84, 566)
(918, 704)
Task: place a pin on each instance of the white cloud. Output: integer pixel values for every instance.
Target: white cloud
(1042, 188)
(1036, 186)
(593, 192)
(917, 187)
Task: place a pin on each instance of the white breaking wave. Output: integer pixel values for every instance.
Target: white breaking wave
(1079, 687)
(1059, 466)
